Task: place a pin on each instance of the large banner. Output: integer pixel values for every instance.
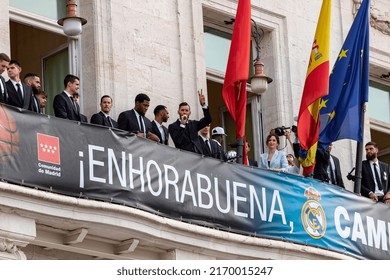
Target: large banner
(94, 162)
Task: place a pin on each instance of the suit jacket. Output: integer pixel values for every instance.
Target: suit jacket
(278, 160)
(337, 171)
(64, 108)
(186, 138)
(321, 165)
(368, 183)
(16, 100)
(218, 151)
(35, 105)
(154, 129)
(127, 120)
(252, 162)
(83, 118)
(3, 95)
(100, 119)
(215, 149)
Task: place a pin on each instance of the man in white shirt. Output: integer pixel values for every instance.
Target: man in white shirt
(161, 115)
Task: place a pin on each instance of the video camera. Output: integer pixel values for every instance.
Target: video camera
(281, 130)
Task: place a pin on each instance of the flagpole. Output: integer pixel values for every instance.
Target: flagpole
(359, 156)
(240, 151)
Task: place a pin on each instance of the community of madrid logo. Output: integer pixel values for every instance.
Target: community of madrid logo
(313, 216)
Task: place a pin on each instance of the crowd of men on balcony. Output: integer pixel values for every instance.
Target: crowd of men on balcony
(186, 134)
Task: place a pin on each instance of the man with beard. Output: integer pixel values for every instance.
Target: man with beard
(184, 132)
(103, 117)
(375, 176)
(33, 80)
(134, 120)
(161, 115)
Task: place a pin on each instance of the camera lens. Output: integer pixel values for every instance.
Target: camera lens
(294, 129)
(279, 131)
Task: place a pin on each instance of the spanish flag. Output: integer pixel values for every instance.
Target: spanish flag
(316, 86)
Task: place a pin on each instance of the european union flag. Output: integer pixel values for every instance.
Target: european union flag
(341, 110)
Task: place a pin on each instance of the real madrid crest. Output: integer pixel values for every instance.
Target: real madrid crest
(312, 215)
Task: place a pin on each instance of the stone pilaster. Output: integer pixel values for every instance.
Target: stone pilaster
(16, 232)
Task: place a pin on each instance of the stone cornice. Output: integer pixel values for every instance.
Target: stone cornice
(379, 12)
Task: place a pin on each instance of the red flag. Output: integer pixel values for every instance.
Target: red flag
(316, 86)
(237, 70)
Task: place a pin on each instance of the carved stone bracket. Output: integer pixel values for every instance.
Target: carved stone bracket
(7, 246)
(15, 232)
(379, 14)
(9, 250)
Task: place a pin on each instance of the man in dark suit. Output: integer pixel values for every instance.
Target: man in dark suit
(19, 94)
(64, 105)
(217, 135)
(134, 120)
(334, 170)
(184, 132)
(375, 176)
(210, 147)
(33, 80)
(76, 98)
(327, 167)
(4, 62)
(161, 115)
(103, 117)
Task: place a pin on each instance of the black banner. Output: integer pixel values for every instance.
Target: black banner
(101, 163)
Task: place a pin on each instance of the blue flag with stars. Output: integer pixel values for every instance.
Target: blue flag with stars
(341, 110)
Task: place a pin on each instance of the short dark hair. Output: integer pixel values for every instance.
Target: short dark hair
(141, 97)
(4, 57)
(105, 96)
(15, 62)
(76, 94)
(29, 75)
(158, 109)
(371, 143)
(70, 78)
(184, 104)
(269, 138)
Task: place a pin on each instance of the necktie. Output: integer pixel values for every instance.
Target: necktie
(109, 121)
(19, 90)
(208, 147)
(332, 177)
(162, 132)
(2, 89)
(377, 178)
(141, 124)
(74, 105)
(36, 105)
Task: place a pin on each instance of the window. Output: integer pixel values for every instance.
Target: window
(217, 45)
(46, 8)
(379, 102)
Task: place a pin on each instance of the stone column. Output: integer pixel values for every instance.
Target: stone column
(16, 232)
